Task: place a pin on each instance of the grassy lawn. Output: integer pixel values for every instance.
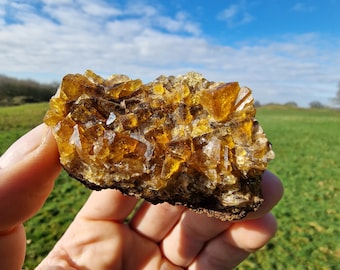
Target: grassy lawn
(307, 147)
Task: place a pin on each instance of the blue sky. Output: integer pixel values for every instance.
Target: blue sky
(284, 50)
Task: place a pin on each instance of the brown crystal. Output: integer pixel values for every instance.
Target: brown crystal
(183, 140)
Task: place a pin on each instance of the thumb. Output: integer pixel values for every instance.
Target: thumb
(28, 169)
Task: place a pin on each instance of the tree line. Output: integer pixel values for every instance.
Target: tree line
(15, 91)
(335, 102)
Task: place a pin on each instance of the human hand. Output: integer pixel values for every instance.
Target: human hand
(158, 236)
(28, 169)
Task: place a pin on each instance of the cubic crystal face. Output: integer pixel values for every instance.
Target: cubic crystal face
(183, 140)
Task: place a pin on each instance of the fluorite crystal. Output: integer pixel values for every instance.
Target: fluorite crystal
(183, 140)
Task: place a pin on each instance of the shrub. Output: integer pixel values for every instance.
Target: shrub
(316, 105)
(291, 104)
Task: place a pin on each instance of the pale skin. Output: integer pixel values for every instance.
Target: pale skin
(158, 236)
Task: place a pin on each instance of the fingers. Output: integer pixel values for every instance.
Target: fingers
(272, 191)
(12, 248)
(155, 221)
(231, 247)
(22, 147)
(190, 235)
(109, 205)
(252, 234)
(28, 170)
(194, 231)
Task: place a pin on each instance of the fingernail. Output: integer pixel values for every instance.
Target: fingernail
(23, 146)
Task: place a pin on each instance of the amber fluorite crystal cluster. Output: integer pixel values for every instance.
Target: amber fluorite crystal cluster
(183, 140)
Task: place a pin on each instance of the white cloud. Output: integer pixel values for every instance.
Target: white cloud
(235, 15)
(179, 23)
(60, 2)
(229, 13)
(99, 8)
(140, 8)
(66, 40)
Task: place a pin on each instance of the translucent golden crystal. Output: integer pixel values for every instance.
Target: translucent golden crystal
(183, 140)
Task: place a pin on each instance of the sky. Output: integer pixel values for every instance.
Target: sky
(284, 50)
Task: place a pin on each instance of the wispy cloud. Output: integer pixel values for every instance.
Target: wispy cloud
(303, 7)
(101, 9)
(235, 15)
(179, 23)
(147, 42)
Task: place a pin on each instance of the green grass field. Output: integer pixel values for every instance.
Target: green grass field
(307, 147)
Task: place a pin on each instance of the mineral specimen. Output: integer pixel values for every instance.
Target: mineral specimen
(183, 140)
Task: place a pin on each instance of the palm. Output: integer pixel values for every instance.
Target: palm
(157, 236)
(104, 245)
(100, 239)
